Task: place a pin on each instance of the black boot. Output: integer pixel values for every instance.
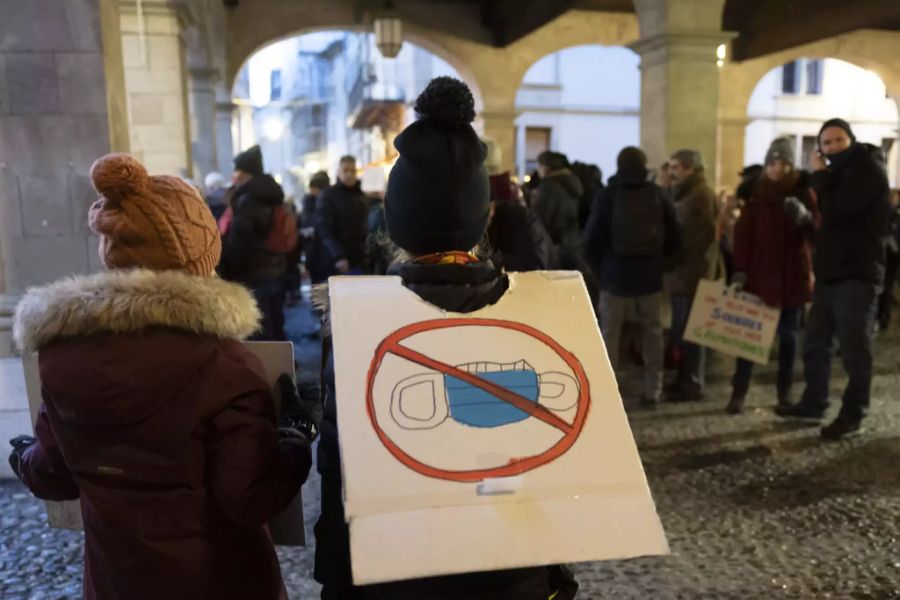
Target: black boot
(842, 427)
(784, 396)
(736, 404)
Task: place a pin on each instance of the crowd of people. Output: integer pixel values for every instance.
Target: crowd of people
(179, 458)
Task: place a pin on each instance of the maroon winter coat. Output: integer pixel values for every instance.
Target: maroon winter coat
(774, 252)
(159, 420)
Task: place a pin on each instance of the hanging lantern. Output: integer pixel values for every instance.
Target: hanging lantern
(388, 35)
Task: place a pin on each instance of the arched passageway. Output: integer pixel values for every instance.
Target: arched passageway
(583, 101)
(794, 99)
(310, 99)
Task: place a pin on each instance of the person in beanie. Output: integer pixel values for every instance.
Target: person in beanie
(631, 231)
(853, 194)
(437, 205)
(154, 414)
(773, 241)
(245, 259)
(695, 207)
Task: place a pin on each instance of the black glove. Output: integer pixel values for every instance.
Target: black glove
(797, 211)
(20, 444)
(301, 410)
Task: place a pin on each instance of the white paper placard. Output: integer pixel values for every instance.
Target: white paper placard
(276, 357)
(518, 399)
(733, 323)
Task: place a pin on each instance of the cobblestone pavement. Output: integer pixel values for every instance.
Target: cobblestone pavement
(753, 507)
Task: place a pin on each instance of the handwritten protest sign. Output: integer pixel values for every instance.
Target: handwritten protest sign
(488, 440)
(732, 323)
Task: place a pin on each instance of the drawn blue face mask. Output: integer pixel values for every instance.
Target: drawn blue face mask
(425, 401)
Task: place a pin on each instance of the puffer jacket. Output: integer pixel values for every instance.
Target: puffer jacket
(456, 288)
(163, 424)
(245, 258)
(557, 205)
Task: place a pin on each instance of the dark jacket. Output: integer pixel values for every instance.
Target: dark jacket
(557, 204)
(698, 258)
(342, 224)
(457, 288)
(519, 239)
(774, 252)
(163, 424)
(318, 263)
(854, 200)
(629, 276)
(218, 202)
(244, 256)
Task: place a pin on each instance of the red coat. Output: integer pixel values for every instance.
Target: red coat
(163, 424)
(774, 252)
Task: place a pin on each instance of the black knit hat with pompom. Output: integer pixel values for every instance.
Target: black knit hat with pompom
(438, 195)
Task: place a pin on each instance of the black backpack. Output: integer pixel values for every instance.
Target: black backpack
(638, 225)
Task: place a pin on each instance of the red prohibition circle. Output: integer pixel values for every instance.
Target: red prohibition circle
(391, 345)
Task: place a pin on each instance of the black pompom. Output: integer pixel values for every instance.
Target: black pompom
(446, 100)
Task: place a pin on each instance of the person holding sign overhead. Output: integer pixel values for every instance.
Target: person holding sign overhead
(436, 209)
(773, 258)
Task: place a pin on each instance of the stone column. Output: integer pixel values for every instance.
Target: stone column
(60, 101)
(732, 131)
(679, 76)
(500, 126)
(204, 148)
(55, 112)
(156, 79)
(224, 143)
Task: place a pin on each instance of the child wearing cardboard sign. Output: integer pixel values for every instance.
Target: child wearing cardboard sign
(436, 209)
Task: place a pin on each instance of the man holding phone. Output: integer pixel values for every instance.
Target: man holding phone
(853, 195)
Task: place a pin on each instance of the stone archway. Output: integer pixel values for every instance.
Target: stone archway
(872, 50)
(493, 74)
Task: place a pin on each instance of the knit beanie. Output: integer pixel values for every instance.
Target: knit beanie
(159, 223)
(782, 148)
(250, 161)
(437, 196)
(837, 123)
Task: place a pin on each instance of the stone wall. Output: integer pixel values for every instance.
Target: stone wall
(54, 122)
(56, 102)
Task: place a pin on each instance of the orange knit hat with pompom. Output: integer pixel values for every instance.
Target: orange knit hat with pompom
(159, 223)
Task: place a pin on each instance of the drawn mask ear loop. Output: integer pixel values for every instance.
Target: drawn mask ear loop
(559, 391)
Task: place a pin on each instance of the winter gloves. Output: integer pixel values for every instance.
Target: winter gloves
(20, 444)
(797, 211)
(301, 411)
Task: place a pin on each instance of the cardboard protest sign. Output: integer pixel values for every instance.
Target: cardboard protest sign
(489, 440)
(733, 323)
(276, 357)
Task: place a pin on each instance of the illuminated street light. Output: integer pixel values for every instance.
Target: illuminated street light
(388, 32)
(721, 52)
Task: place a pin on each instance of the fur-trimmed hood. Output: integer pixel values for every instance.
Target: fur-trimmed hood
(132, 301)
